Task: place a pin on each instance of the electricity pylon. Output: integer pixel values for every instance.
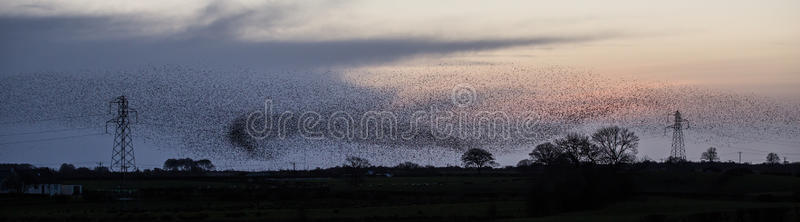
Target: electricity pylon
(678, 151)
(122, 158)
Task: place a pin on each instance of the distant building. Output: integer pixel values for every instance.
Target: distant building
(53, 189)
(16, 178)
(45, 189)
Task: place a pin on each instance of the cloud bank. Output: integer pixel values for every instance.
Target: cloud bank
(59, 36)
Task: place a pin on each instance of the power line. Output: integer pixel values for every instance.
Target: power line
(728, 153)
(49, 131)
(85, 162)
(754, 139)
(180, 128)
(50, 139)
(780, 144)
(51, 119)
(749, 149)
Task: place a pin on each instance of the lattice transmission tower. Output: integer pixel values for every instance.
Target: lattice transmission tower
(678, 151)
(122, 158)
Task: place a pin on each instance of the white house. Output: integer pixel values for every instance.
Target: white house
(46, 189)
(34, 181)
(54, 189)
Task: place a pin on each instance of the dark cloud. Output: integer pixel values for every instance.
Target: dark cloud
(59, 43)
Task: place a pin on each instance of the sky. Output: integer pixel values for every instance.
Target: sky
(734, 63)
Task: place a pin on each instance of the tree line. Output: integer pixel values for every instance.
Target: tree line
(608, 145)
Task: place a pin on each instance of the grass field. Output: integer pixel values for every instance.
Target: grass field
(658, 196)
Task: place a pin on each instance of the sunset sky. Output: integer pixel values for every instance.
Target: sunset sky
(730, 44)
(410, 48)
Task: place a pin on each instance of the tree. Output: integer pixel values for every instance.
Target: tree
(477, 158)
(675, 160)
(204, 165)
(357, 162)
(172, 165)
(357, 167)
(83, 171)
(616, 144)
(590, 153)
(577, 148)
(773, 158)
(187, 164)
(66, 168)
(546, 153)
(101, 170)
(408, 165)
(710, 155)
(525, 163)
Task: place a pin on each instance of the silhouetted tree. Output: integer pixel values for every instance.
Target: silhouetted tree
(546, 153)
(187, 164)
(773, 158)
(476, 157)
(591, 153)
(82, 171)
(172, 165)
(204, 165)
(357, 162)
(101, 170)
(710, 155)
(578, 149)
(408, 165)
(66, 168)
(674, 159)
(616, 144)
(356, 167)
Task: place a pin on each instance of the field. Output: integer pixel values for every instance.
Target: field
(520, 196)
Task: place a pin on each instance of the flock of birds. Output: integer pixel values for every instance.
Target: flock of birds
(204, 112)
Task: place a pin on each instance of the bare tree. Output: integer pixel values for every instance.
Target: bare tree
(357, 162)
(477, 158)
(591, 153)
(546, 153)
(578, 149)
(356, 167)
(773, 158)
(710, 155)
(617, 145)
